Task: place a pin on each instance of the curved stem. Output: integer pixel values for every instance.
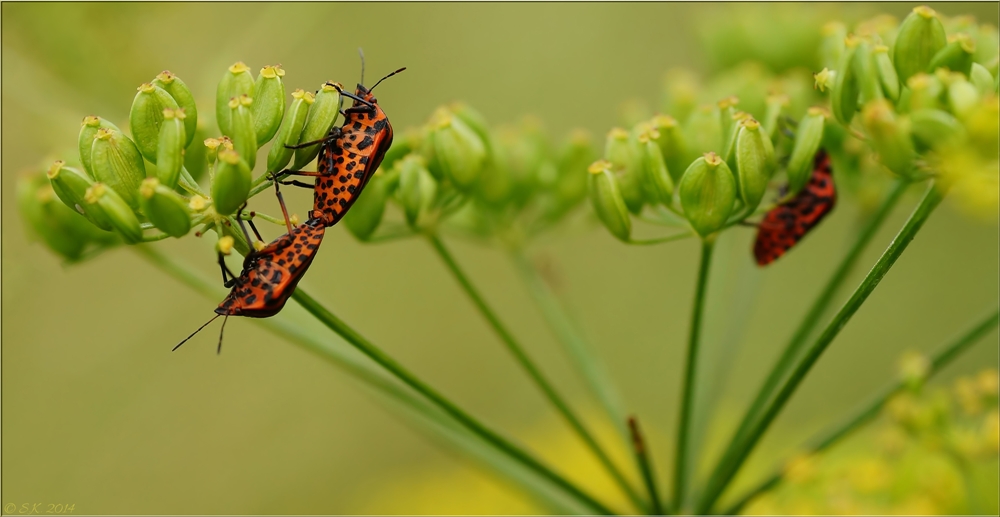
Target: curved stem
(529, 366)
(684, 419)
(366, 347)
(871, 409)
(731, 463)
(812, 317)
(659, 240)
(645, 465)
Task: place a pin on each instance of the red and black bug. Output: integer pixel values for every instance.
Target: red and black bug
(786, 224)
(349, 154)
(270, 274)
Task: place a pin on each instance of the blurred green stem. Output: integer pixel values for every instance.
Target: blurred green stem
(738, 452)
(529, 366)
(363, 345)
(819, 306)
(684, 419)
(939, 359)
(591, 369)
(645, 465)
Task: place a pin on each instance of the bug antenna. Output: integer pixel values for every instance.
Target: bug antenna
(350, 95)
(195, 332)
(386, 77)
(362, 54)
(223, 329)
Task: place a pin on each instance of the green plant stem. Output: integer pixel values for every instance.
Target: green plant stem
(366, 347)
(816, 311)
(579, 350)
(684, 419)
(645, 465)
(453, 433)
(868, 411)
(660, 240)
(731, 463)
(529, 366)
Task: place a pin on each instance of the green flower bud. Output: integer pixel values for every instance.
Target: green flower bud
(707, 193)
(236, 81)
(729, 121)
(574, 158)
(955, 56)
(473, 119)
(866, 72)
(844, 96)
(824, 79)
(963, 97)
(889, 137)
(166, 209)
(807, 142)
(886, 72)
(606, 197)
(122, 217)
(657, 183)
(59, 227)
(621, 152)
(981, 79)
(755, 163)
(231, 184)
(366, 214)
(932, 128)
(920, 36)
(672, 145)
(268, 103)
(321, 116)
(212, 146)
(71, 185)
(116, 162)
(703, 131)
(776, 104)
(496, 181)
(241, 127)
(831, 47)
(195, 153)
(146, 117)
(182, 96)
(417, 188)
(291, 130)
(924, 91)
(458, 150)
(88, 131)
(680, 93)
(403, 144)
(170, 151)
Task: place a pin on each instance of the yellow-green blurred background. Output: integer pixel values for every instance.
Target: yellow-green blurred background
(98, 413)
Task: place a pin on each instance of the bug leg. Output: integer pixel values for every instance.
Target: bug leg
(239, 219)
(281, 201)
(223, 329)
(228, 278)
(305, 144)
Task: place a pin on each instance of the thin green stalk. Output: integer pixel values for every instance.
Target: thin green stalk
(645, 465)
(660, 240)
(366, 347)
(730, 464)
(816, 311)
(591, 369)
(684, 419)
(529, 366)
(432, 417)
(868, 411)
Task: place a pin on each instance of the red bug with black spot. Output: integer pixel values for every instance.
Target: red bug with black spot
(350, 154)
(786, 224)
(270, 274)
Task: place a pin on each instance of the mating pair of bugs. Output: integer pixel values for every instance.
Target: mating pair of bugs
(348, 157)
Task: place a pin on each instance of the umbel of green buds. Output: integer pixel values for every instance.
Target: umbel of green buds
(366, 214)
(707, 193)
(889, 137)
(116, 162)
(71, 185)
(755, 162)
(241, 128)
(290, 131)
(269, 102)
(170, 151)
(182, 95)
(231, 184)
(621, 153)
(146, 117)
(807, 140)
(920, 37)
(121, 216)
(458, 150)
(657, 183)
(417, 188)
(322, 115)
(88, 131)
(606, 197)
(236, 81)
(166, 209)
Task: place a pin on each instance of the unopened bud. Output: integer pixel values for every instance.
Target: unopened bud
(473, 119)
(924, 91)
(981, 78)
(121, 216)
(231, 184)
(807, 140)
(71, 185)
(165, 208)
(576, 155)
(703, 130)
(887, 75)
(963, 97)
(672, 144)
(225, 244)
(291, 129)
(932, 127)
(417, 188)
(607, 200)
(866, 72)
(845, 92)
(236, 81)
(776, 104)
(889, 137)
(212, 146)
(268, 103)
(146, 116)
(956, 55)
(88, 131)
(320, 117)
(116, 162)
(707, 193)
(170, 150)
(620, 151)
(458, 150)
(920, 37)
(824, 79)
(657, 183)
(241, 129)
(832, 45)
(59, 227)
(182, 95)
(755, 163)
(366, 214)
